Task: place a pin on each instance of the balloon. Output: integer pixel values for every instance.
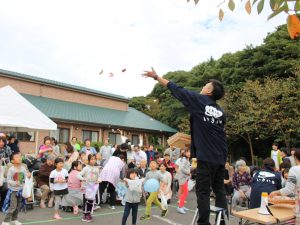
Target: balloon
(151, 185)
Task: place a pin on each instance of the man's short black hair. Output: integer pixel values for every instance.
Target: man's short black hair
(218, 91)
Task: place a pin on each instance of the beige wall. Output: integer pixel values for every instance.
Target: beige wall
(47, 91)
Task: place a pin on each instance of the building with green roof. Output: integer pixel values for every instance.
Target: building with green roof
(84, 113)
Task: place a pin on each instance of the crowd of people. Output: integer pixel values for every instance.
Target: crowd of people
(79, 179)
(82, 178)
(278, 176)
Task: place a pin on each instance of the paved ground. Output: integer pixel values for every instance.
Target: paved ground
(107, 216)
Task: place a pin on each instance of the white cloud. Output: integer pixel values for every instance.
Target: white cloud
(71, 41)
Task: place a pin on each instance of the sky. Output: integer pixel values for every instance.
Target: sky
(72, 41)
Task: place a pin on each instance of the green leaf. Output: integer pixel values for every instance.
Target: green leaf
(297, 6)
(286, 7)
(272, 4)
(260, 6)
(276, 12)
(277, 5)
(231, 5)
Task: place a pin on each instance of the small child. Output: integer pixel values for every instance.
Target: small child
(153, 198)
(132, 196)
(285, 174)
(15, 180)
(90, 176)
(58, 183)
(183, 176)
(75, 196)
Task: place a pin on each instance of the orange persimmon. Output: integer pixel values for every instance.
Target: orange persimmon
(293, 26)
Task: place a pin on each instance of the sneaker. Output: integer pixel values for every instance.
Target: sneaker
(83, 219)
(185, 209)
(16, 222)
(57, 217)
(112, 207)
(164, 213)
(89, 218)
(145, 217)
(181, 210)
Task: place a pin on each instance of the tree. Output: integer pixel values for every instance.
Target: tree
(260, 109)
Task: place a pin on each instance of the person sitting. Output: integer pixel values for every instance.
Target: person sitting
(88, 149)
(45, 149)
(265, 180)
(43, 181)
(142, 170)
(241, 182)
(285, 175)
(293, 181)
(13, 144)
(284, 165)
(72, 156)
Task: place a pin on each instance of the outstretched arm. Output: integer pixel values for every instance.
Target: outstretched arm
(153, 74)
(185, 96)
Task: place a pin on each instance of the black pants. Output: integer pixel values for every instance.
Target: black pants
(87, 206)
(209, 176)
(110, 189)
(128, 207)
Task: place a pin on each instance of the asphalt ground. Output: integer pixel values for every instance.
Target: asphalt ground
(107, 216)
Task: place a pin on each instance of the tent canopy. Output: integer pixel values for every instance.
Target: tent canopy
(18, 114)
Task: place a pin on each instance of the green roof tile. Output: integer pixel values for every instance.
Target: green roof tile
(60, 84)
(75, 112)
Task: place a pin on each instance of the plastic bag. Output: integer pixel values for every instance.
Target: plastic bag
(28, 187)
(191, 184)
(91, 191)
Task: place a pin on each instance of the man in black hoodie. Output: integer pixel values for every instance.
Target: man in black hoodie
(209, 144)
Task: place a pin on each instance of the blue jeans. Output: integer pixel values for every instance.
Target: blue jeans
(128, 207)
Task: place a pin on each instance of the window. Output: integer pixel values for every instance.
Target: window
(115, 139)
(25, 136)
(92, 135)
(62, 135)
(135, 139)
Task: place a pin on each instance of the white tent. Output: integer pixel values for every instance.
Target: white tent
(18, 114)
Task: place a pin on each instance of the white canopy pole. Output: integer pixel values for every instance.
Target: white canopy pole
(36, 142)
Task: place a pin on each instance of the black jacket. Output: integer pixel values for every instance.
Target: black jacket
(207, 121)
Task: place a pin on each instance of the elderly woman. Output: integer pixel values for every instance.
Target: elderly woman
(241, 182)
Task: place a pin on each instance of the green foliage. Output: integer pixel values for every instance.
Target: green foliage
(251, 75)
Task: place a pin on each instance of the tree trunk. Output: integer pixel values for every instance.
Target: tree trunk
(287, 140)
(251, 148)
(249, 141)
